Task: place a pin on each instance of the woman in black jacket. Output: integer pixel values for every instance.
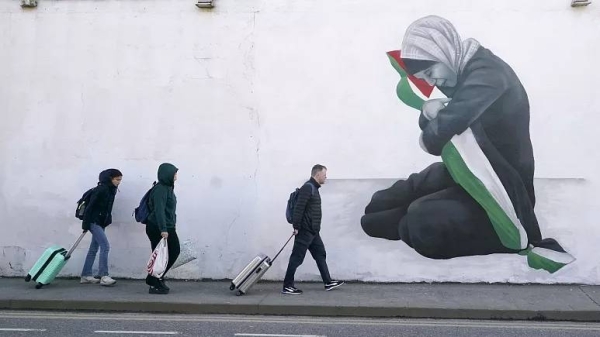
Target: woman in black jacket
(96, 218)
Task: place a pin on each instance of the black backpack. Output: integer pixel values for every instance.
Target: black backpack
(142, 212)
(289, 210)
(83, 203)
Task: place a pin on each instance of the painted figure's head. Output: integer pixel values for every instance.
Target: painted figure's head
(319, 174)
(435, 74)
(433, 51)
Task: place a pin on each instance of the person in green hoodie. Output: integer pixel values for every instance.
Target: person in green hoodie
(162, 220)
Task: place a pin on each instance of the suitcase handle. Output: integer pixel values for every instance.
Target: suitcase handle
(68, 255)
(281, 250)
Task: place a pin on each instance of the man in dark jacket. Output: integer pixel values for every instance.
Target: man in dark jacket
(307, 224)
(162, 220)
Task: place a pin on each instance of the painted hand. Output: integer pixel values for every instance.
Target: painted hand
(165, 235)
(433, 106)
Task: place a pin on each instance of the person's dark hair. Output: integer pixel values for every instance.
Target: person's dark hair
(114, 173)
(107, 175)
(316, 169)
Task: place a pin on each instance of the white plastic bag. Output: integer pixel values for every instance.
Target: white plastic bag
(187, 254)
(159, 259)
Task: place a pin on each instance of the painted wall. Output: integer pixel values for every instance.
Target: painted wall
(244, 99)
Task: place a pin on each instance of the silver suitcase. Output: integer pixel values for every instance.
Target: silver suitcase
(253, 272)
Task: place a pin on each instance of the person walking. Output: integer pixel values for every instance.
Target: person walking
(306, 220)
(161, 222)
(97, 216)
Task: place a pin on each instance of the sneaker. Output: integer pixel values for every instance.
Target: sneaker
(162, 283)
(333, 284)
(291, 291)
(158, 291)
(89, 280)
(548, 255)
(107, 281)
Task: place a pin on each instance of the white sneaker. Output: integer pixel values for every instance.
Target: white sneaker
(89, 280)
(107, 281)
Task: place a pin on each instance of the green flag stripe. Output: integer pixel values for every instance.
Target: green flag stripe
(460, 172)
(403, 90)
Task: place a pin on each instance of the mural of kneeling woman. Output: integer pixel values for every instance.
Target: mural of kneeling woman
(480, 199)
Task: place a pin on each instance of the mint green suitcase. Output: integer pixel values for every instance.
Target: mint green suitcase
(50, 264)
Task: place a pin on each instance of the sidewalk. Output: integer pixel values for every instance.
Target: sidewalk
(458, 301)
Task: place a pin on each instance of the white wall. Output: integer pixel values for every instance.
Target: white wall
(245, 98)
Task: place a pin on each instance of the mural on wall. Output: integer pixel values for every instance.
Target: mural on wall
(480, 199)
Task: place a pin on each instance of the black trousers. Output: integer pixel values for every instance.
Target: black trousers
(437, 218)
(153, 234)
(312, 242)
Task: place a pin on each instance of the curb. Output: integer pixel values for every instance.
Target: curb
(301, 310)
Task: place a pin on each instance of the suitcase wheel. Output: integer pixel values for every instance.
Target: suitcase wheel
(38, 286)
(239, 293)
(231, 287)
(27, 278)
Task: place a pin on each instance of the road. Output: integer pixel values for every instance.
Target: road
(55, 324)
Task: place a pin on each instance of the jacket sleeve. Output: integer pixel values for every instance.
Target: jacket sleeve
(480, 90)
(159, 202)
(423, 121)
(89, 216)
(303, 197)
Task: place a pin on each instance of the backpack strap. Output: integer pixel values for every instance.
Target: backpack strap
(312, 188)
(150, 195)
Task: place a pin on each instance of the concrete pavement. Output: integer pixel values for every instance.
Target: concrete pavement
(457, 301)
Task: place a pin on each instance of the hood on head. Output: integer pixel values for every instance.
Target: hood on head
(106, 176)
(166, 174)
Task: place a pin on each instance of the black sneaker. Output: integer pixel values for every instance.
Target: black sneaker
(158, 291)
(333, 284)
(291, 291)
(163, 284)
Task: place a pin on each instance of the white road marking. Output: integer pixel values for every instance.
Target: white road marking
(21, 330)
(140, 332)
(273, 335)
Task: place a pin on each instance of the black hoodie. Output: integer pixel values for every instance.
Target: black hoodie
(101, 201)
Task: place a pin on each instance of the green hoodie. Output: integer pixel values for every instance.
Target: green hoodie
(163, 202)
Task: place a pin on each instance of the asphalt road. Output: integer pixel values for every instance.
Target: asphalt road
(55, 324)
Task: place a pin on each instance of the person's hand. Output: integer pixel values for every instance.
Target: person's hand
(433, 106)
(165, 235)
(295, 232)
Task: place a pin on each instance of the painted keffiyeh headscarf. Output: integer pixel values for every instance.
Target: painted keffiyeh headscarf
(435, 39)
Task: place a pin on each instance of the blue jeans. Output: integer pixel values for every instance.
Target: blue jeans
(99, 240)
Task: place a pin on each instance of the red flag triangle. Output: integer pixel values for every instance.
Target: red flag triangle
(423, 87)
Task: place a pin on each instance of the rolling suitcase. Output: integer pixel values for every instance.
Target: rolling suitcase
(50, 264)
(253, 272)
